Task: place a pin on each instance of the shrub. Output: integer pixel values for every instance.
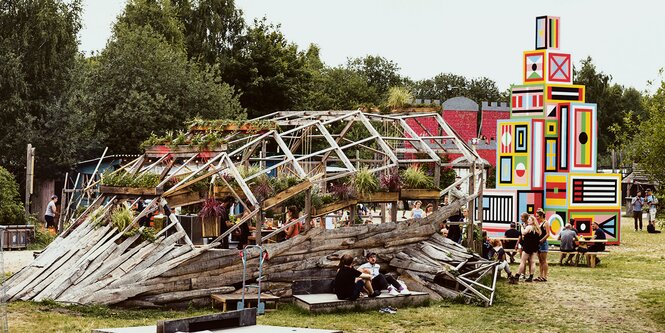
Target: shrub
(365, 182)
(390, 181)
(11, 209)
(415, 178)
(343, 191)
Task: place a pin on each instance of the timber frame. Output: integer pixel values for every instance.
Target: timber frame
(89, 263)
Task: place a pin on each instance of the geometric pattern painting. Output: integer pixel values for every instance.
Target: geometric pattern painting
(555, 190)
(583, 137)
(534, 66)
(594, 191)
(499, 209)
(559, 68)
(513, 153)
(547, 150)
(608, 221)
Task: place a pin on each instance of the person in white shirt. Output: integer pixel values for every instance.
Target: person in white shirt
(380, 281)
(51, 210)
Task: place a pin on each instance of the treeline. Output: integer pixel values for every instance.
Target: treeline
(169, 61)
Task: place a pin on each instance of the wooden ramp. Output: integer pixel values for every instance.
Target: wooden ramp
(320, 303)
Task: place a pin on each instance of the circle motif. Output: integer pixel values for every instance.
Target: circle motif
(584, 138)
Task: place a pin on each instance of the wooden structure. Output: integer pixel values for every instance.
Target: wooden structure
(95, 262)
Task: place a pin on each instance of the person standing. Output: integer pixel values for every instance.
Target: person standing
(544, 245)
(51, 210)
(417, 212)
(530, 243)
(637, 204)
(652, 202)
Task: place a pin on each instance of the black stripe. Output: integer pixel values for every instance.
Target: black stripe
(565, 89)
(565, 97)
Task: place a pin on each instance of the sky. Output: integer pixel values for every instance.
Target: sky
(465, 37)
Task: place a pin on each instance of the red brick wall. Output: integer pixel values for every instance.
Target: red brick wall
(489, 122)
(463, 122)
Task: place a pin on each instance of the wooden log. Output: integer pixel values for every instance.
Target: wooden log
(380, 197)
(186, 295)
(419, 194)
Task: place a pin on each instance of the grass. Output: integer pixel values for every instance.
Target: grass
(626, 293)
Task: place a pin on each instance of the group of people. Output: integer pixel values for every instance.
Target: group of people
(532, 244)
(352, 283)
(638, 204)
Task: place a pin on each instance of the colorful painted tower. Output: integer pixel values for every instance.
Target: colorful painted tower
(546, 151)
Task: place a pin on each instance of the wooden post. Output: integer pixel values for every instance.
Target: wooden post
(393, 212)
(308, 208)
(63, 203)
(259, 226)
(354, 214)
(481, 188)
(383, 212)
(29, 176)
(469, 228)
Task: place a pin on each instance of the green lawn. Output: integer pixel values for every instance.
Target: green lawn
(626, 293)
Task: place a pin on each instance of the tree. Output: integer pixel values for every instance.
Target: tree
(38, 59)
(160, 15)
(648, 148)
(446, 85)
(141, 84)
(214, 30)
(271, 72)
(11, 209)
(380, 73)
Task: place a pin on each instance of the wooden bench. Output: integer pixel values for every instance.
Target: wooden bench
(591, 257)
(230, 301)
(316, 296)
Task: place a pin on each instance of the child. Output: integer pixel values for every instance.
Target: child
(500, 255)
(349, 281)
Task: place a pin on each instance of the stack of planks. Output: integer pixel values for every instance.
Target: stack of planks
(97, 265)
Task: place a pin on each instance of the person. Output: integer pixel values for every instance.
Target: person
(652, 202)
(417, 212)
(444, 228)
(429, 209)
(51, 210)
(582, 248)
(544, 245)
(243, 240)
(486, 246)
(567, 237)
(380, 281)
(225, 219)
(349, 282)
(651, 228)
(637, 203)
(499, 255)
(530, 241)
(291, 215)
(405, 207)
(598, 234)
(511, 243)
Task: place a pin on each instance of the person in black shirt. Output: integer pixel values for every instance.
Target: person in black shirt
(511, 244)
(530, 243)
(598, 234)
(349, 282)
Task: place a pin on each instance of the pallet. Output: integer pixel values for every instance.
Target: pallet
(286, 194)
(380, 197)
(230, 301)
(325, 303)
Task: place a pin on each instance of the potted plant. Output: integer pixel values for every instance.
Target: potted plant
(417, 184)
(210, 212)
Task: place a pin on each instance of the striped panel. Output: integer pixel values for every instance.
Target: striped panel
(538, 154)
(498, 209)
(597, 191)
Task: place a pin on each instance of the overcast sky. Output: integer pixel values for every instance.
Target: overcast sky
(472, 38)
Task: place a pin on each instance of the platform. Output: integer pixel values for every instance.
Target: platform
(327, 302)
(245, 329)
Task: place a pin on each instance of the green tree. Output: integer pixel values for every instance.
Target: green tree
(11, 209)
(160, 15)
(648, 148)
(141, 84)
(446, 85)
(38, 59)
(380, 73)
(270, 71)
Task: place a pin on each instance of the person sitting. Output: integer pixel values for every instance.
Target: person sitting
(652, 229)
(294, 229)
(511, 243)
(598, 234)
(350, 282)
(486, 246)
(567, 238)
(500, 255)
(380, 281)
